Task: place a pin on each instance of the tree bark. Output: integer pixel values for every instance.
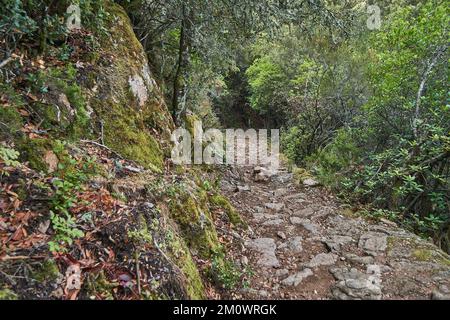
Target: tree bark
(179, 82)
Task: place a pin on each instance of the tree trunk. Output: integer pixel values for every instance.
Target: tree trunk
(179, 82)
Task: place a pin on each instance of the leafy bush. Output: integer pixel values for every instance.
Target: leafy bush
(14, 24)
(68, 182)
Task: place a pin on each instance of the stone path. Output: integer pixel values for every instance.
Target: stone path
(301, 244)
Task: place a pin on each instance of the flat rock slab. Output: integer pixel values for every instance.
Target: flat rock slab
(374, 243)
(334, 243)
(275, 222)
(275, 206)
(323, 259)
(359, 259)
(280, 192)
(297, 278)
(304, 213)
(305, 223)
(266, 248)
(295, 244)
(242, 188)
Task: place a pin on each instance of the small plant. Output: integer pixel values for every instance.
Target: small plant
(225, 272)
(9, 156)
(206, 185)
(71, 174)
(66, 231)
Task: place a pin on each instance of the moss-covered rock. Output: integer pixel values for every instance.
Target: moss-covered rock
(222, 202)
(300, 174)
(182, 258)
(191, 213)
(128, 102)
(33, 151)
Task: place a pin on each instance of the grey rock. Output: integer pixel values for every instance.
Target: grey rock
(266, 248)
(281, 273)
(310, 182)
(304, 213)
(275, 206)
(258, 216)
(335, 242)
(373, 243)
(358, 259)
(259, 209)
(295, 279)
(437, 295)
(275, 222)
(323, 259)
(262, 174)
(305, 223)
(280, 192)
(281, 235)
(295, 244)
(354, 284)
(242, 188)
(388, 222)
(374, 269)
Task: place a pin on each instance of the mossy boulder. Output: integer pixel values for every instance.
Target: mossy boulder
(223, 203)
(300, 174)
(191, 213)
(127, 102)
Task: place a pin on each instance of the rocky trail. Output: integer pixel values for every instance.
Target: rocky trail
(302, 244)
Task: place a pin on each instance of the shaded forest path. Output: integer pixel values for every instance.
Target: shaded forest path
(302, 244)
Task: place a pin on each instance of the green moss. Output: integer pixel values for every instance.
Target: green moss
(98, 284)
(120, 23)
(129, 128)
(423, 254)
(222, 202)
(10, 119)
(347, 212)
(180, 253)
(7, 294)
(189, 122)
(141, 235)
(33, 151)
(191, 213)
(47, 272)
(300, 174)
(125, 134)
(56, 84)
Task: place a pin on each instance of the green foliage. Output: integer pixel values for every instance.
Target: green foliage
(9, 156)
(68, 182)
(367, 114)
(395, 155)
(266, 80)
(224, 271)
(14, 24)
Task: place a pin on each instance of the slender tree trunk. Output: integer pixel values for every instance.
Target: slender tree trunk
(179, 82)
